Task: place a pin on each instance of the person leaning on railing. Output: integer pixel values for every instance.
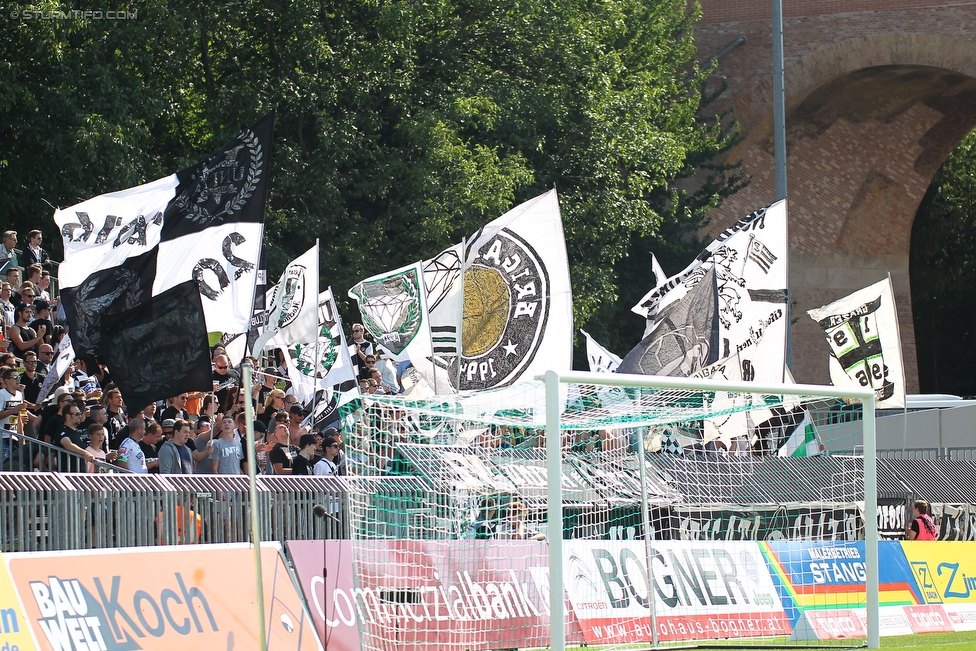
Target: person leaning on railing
(97, 447)
(13, 411)
(71, 440)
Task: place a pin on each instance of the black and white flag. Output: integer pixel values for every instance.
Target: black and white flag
(751, 264)
(865, 343)
(204, 224)
(159, 348)
(685, 337)
(293, 313)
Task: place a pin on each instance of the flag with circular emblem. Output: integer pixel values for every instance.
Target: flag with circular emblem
(517, 317)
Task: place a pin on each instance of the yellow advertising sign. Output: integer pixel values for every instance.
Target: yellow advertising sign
(161, 599)
(945, 572)
(14, 630)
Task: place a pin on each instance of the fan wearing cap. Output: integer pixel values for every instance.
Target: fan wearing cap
(295, 430)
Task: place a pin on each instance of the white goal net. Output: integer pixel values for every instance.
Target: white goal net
(606, 511)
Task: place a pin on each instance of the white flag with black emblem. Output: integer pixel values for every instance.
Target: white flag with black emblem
(293, 317)
(865, 343)
(326, 364)
(518, 300)
(394, 310)
(751, 263)
(204, 223)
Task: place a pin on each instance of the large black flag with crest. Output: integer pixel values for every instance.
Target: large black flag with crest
(203, 224)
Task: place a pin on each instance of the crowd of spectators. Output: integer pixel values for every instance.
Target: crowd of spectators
(84, 425)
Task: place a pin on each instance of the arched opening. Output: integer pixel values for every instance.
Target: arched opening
(863, 147)
(943, 272)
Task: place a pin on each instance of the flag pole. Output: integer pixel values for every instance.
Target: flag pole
(253, 499)
(430, 333)
(318, 334)
(459, 346)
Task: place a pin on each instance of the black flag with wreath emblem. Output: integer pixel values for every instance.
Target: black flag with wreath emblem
(204, 224)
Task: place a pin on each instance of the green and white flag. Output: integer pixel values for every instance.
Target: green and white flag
(394, 309)
(325, 364)
(293, 316)
(803, 441)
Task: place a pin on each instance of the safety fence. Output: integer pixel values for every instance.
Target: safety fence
(62, 511)
(27, 453)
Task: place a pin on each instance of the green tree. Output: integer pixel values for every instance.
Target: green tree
(401, 126)
(943, 276)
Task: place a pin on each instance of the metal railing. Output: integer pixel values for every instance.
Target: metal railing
(42, 511)
(950, 454)
(32, 454)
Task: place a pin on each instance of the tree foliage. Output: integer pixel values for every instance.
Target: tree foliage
(402, 126)
(943, 276)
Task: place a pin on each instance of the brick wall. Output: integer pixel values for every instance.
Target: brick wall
(878, 94)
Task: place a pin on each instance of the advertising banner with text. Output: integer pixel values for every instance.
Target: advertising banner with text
(423, 594)
(945, 576)
(201, 597)
(14, 628)
(700, 590)
(817, 575)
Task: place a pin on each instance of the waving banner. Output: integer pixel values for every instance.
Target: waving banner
(750, 261)
(204, 224)
(325, 364)
(601, 360)
(518, 303)
(293, 316)
(394, 309)
(865, 344)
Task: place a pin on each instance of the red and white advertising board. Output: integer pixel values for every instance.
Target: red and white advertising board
(422, 594)
(701, 590)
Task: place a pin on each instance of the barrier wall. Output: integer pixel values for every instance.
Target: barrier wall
(151, 599)
(479, 594)
(809, 590)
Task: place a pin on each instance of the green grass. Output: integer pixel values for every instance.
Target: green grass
(932, 641)
(929, 641)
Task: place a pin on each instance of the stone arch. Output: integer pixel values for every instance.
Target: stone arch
(869, 122)
(805, 73)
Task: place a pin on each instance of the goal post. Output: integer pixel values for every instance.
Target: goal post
(556, 385)
(617, 512)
